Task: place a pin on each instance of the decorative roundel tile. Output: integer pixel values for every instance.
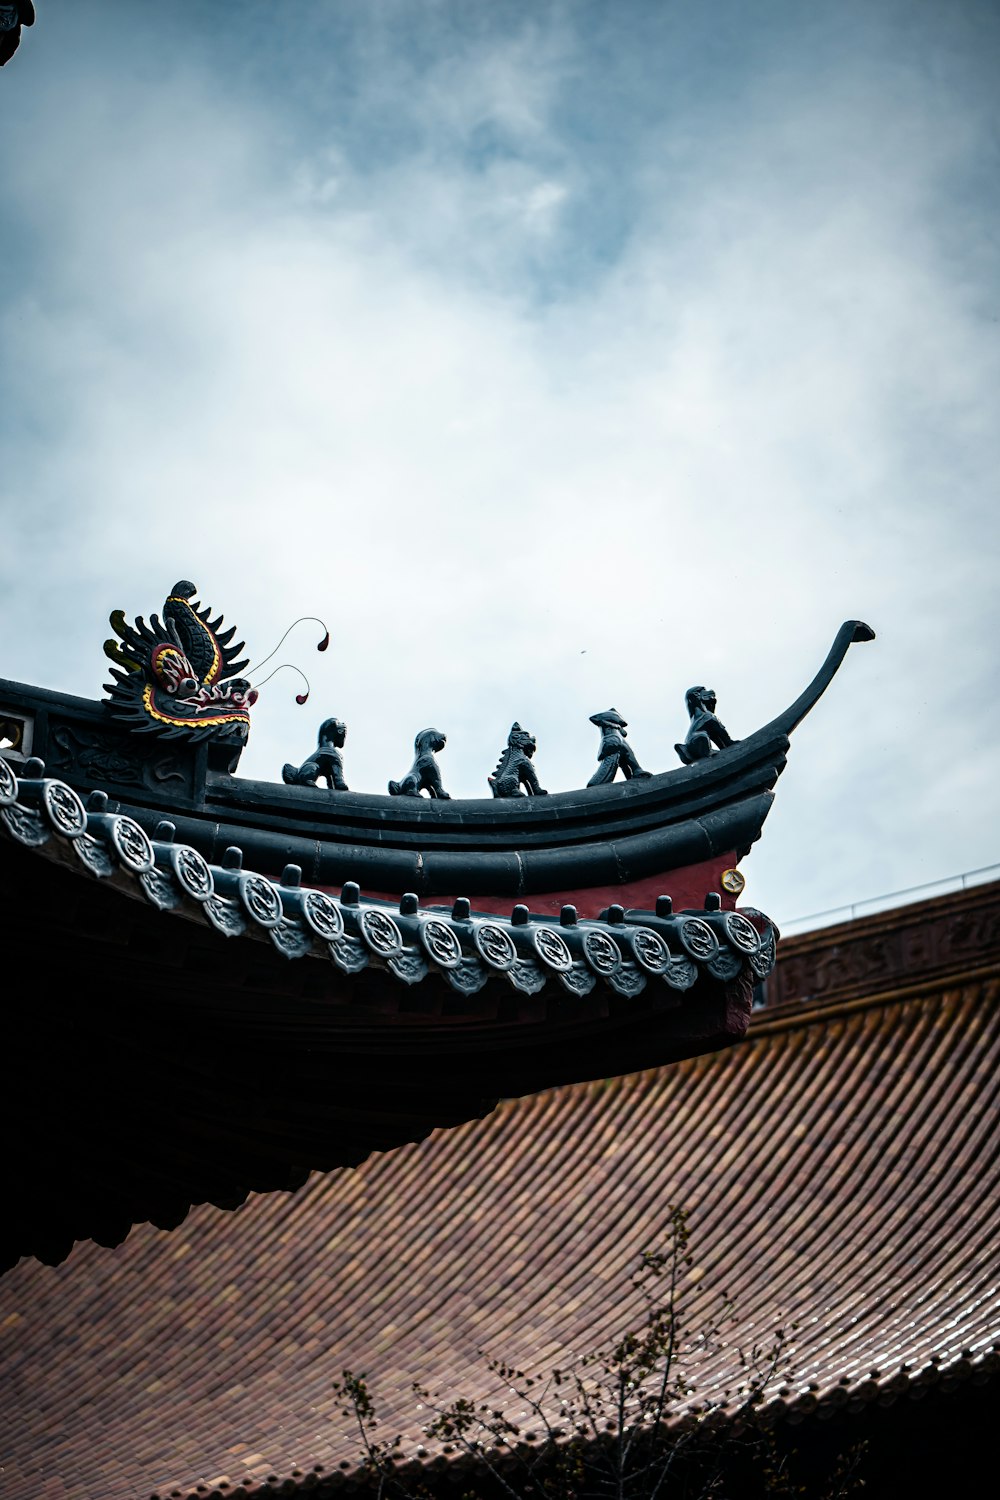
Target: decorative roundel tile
(762, 962)
(495, 945)
(26, 825)
(322, 915)
(131, 845)
(441, 943)
(732, 881)
(64, 809)
(742, 933)
(8, 784)
(601, 952)
(381, 933)
(697, 937)
(650, 950)
(192, 872)
(260, 899)
(726, 964)
(552, 948)
(682, 972)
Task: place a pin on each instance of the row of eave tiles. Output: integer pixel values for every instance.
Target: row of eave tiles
(353, 932)
(841, 1174)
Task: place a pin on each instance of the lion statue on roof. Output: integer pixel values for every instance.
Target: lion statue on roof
(514, 769)
(425, 774)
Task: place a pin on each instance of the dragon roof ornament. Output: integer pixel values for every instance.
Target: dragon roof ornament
(179, 677)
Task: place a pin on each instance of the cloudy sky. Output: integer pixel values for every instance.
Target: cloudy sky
(557, 354)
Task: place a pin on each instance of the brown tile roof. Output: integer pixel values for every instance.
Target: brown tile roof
(841, 1168)
(943, 937)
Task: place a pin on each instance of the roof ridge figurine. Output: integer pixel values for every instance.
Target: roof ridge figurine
(424, 774)
(325, 762)
(514, 769)
(614, 752)
(706, 731)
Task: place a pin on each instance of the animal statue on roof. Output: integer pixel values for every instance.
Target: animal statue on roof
(514, 769)
(614, 753)
(13, 15)
(178, 677)
(424, 774)
(325, 763)
(706, 730)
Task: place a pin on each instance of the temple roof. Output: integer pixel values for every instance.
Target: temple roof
(840, 1166)
(162, 989)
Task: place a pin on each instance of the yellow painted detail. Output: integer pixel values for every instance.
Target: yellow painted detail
(147, 703)
(732, 881)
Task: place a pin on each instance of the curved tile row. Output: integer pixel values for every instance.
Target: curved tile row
(626, 951)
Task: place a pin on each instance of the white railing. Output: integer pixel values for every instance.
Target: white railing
(874, 904)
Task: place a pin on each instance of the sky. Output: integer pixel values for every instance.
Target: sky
(557, 355)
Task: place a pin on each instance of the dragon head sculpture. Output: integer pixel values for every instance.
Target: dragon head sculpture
(179, 676)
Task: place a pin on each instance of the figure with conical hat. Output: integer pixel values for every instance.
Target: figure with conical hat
(615, 753)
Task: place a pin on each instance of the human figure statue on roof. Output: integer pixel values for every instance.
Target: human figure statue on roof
(614, 753)
(13, 15)
(706, 731)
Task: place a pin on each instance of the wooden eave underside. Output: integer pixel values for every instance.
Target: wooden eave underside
(156, 1063)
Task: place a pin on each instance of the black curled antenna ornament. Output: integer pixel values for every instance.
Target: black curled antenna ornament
(179, 676)
(13, 15)
(514, 769)
(424, 775)
(706, 732)
(325, 763)
(614, 752)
